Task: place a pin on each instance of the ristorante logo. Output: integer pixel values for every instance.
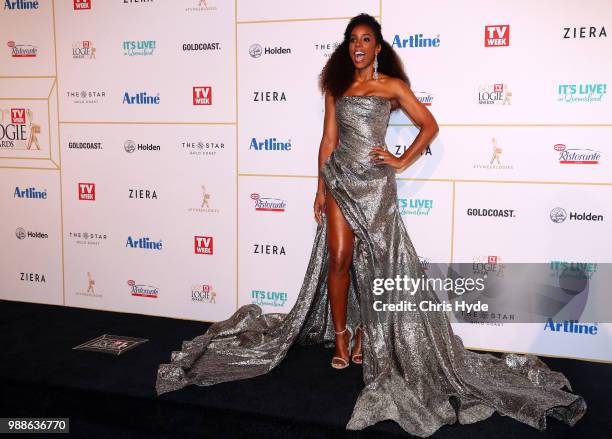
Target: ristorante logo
(202, 95)
(571, 327)
(497, 35)
(22, 233)
(577, 156)
(203, 293)
(415, 41)
(495, 162)
(80, 5)
(268, 204)
(257, 50)
(270, 144)
(414, 206)
(269, 298)
(494, 94)
(203, 245)
(584, 32)
(142, 290)
(424, 98)
(559, 215)
(585, 93)
(143, 242)
(22, 50)
(30, 193)
(20, 4)
(140, 98)
(87, 191)
(139, 47)
(83, 50)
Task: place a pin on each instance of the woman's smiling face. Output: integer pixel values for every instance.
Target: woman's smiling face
(362, 46)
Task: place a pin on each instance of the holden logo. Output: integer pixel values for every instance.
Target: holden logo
(129, 146)
(20, 233)
(559, 147)
(255, 50)
(558, 215)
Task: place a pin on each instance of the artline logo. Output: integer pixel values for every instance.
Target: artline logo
(587, 93)
(203, 293)
(144, 242)
(87, 191)
(83, 50)
(269, 249)
(497, 35)
(140, 98)
(141, 290)
(559, 215)
(30, 193)
(424, 98)
(20, 4)
(269, 96)
(270, 144)
(80, 5)
(204, 203)
(203, 245)
(495, 161)
(415, 41)
(130, 146)
(584, 32)
(256, 50)
(268, 204)
(33, 277)
(202, 5)
(139, 47)
(494, 94)
(570, 326)
(269, 298)
(496, 213)
(85, 145)
(22, 50)
(577, 156)
(414, 206)
(202, 95)
(201, 47)
(201, 148)
(22, 233)
(86, 96)
(485, 265)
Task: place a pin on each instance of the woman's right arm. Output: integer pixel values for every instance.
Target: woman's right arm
(329, 140)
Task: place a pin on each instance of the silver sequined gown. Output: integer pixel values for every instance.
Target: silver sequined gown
(416, 371)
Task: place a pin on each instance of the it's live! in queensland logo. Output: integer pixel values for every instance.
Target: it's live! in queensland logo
(202, 95)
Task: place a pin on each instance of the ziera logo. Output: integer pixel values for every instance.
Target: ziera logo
(202, 95)
(497, 35)
(79, 5)
(203, 245)
(87, 191)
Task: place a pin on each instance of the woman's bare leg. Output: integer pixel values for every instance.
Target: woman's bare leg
(340, 246)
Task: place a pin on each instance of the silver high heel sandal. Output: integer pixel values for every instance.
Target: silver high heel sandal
(346, 362)
(358, 358)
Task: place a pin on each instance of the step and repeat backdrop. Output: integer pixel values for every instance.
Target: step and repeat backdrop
(142, 144)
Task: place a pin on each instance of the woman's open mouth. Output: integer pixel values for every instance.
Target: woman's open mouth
(359, 56)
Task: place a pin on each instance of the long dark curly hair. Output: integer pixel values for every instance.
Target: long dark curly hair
(337, 75)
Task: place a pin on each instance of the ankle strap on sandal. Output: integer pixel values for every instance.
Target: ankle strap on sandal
(341, 332)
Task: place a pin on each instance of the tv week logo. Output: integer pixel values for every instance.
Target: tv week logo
(497, 35)
(81, 4)
(87, 191)
(203, 245)
(18, 116)
(202, 95)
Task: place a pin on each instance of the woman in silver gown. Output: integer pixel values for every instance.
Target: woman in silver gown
(415, 369)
